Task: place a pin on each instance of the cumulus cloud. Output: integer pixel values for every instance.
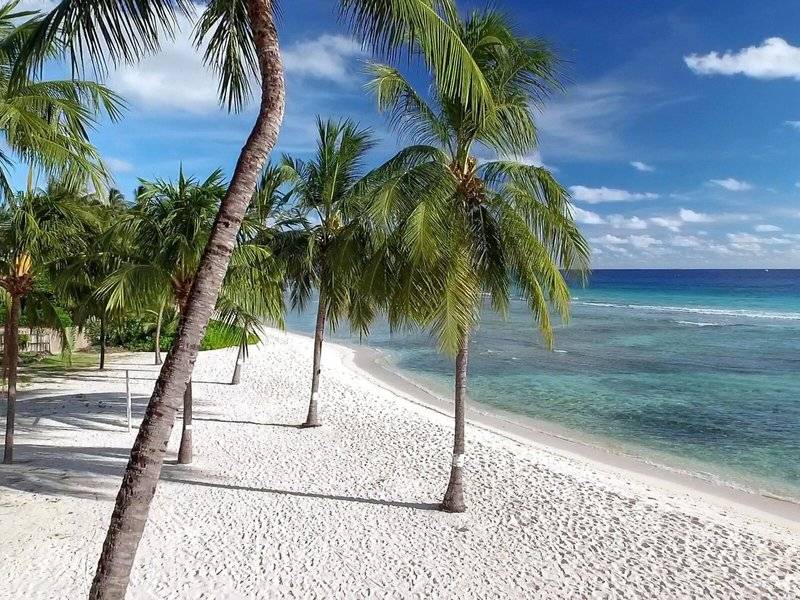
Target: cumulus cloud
(767, 228)
(641, 242)
(622, 222)
(670, 223)
(689, 216)
(644, 241)
(176, 79)
(586, 217)
(640, 166)
(604, 194)
(609, 240)
(328, 57)
(686, 241)
(731, 184)
(775, 58)
(685, 215)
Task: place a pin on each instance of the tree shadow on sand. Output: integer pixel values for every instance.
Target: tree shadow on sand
(244, 488)
(94, 471)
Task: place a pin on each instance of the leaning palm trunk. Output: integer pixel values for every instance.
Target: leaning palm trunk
(185, 453)
(312, 420)
(12, 358)
(237, 371)
(103, 341)
(147, 456)
(158, 335)
(454, 496)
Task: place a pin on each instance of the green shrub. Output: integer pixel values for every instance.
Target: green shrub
(137, 334)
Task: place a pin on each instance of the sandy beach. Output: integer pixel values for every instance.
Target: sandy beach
(348, 510)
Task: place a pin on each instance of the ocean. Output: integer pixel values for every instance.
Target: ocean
(695, 370)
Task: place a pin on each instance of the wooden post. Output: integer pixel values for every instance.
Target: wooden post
(128, 397)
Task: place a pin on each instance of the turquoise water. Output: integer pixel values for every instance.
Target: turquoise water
(698, 370)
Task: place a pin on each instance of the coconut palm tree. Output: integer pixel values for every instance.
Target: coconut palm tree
(329, 190)
(266, 222)
(168, 229)
(78, 277)
(37, 228)
(473, 228)
(241, 44)
(44, 124)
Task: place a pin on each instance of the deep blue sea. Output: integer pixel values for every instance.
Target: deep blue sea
(694, 369)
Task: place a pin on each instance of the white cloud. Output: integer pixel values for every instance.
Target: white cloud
(775, 58)
(748, 239)
(640, 166)
(173, 79)
(586, 217)
(610, 240)
(328, 57)
(670, 223)
(118, 165)
(622, 222)
(731, 184)
(585, 122)
(644, 241)
(685, 215)
(176, 79)
(613, 242)
(604, 194)
(686, 241)
(794, 124)
(767, 228)
(690, 216)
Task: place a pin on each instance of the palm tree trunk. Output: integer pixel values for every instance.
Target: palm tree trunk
(12, 358)
(158, 334)
(103, 341)
(454, 496)
(185, 449)
(147, 456)
(312, 419)
(237, 371)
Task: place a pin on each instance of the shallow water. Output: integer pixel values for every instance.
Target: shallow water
(698, 370)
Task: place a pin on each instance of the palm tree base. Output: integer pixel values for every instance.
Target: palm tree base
(450, 507)
(310, 425)
(185, 450)
(454, 496)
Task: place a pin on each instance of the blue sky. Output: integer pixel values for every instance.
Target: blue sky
(678, 133)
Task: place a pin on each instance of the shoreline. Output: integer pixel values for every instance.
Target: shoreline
(350, 509)
(365, 361)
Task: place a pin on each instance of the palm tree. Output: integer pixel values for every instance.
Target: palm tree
(242, 42)
(78, 278)
(265, 223)
(44, 123)
(329, 190)
(468, 227)
(36, 229)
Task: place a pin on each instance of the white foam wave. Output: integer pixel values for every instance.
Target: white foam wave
(699, 310)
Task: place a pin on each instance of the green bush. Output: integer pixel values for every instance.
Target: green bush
(23, 340)
(138, 335)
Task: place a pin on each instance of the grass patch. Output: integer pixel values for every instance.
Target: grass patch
(33, 366)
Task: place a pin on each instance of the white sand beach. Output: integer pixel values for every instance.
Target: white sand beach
(348, 510)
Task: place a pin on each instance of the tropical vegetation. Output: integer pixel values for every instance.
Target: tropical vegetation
(453, 224)
(474, 227)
